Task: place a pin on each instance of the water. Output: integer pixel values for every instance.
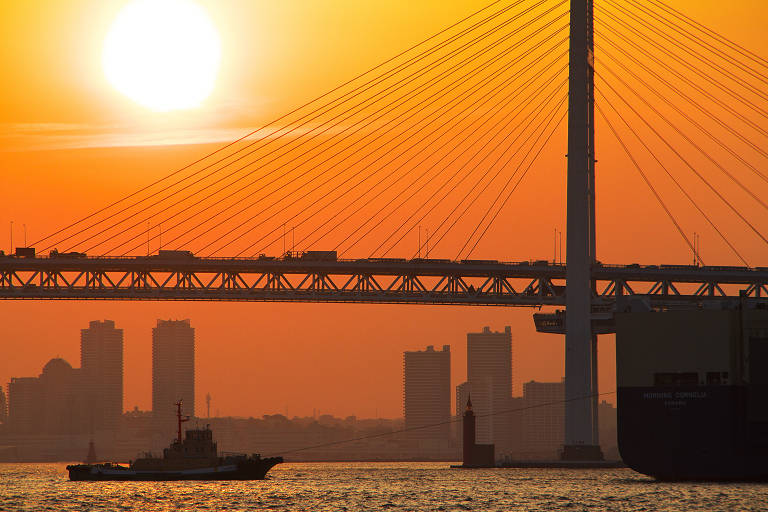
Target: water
(376, 486)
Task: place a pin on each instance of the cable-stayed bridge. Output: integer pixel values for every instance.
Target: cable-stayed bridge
(325, 202)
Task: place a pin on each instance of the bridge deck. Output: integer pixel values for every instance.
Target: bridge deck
(378, 280)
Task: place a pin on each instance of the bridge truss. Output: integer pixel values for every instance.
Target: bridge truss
(389, 281)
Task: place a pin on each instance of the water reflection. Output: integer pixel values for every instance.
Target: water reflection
(377, 486)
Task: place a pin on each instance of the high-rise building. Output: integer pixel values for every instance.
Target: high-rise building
(101, 362)
(463, 394)
(609, 443)
(3, 407)
(489, 374)
(427, 392)
(24, 407)
(544, 419)
(62, 399)
(52, 403)
(173, 368)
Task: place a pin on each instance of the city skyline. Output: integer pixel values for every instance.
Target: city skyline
(290, 410)
(213, 358)
(60, 405)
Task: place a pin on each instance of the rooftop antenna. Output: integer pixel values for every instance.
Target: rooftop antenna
(11, 237)
(25, 235)
(208, 404)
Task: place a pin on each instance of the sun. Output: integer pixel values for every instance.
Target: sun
(163, 54)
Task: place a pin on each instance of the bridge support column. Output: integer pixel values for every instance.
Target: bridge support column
(581, 441)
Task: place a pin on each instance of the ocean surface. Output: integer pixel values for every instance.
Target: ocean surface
(377, 486)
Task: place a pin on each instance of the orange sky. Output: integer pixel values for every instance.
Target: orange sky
(70, 143)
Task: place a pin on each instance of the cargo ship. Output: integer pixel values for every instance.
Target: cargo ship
(693, 393)
(193, 458)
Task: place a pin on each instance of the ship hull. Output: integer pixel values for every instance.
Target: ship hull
(247, 470)
(691, 433)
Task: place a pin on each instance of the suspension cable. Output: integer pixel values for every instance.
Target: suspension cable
(645, 178)
(671, 176)
(231, 241)
(688, 118)
(401, 83)
(524, 122)
(517, 184)
(534, 112)
(690, 51)
(675, 57)
(447, 123)
(318, 98)
(682, 158)
(499, 106)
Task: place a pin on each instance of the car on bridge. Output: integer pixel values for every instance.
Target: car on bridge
(320, 256)
(72, 254)
(174, 255)
(25, 252)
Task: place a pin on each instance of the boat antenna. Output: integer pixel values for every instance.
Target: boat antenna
(180, 417)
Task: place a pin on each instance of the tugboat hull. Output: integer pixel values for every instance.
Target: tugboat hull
(245, 470)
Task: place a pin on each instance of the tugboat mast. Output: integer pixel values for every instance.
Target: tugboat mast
(180, 418)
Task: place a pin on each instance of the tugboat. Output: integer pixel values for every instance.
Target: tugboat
(193, 458)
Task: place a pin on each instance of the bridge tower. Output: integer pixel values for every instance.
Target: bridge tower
(581, 439)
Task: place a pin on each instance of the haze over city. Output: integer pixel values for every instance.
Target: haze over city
(268, 366)
(72, 143)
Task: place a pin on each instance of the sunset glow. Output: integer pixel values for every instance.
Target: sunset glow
(163, 54)
(101, 99)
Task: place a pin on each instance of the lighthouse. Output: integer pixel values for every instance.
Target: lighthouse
(475, 455)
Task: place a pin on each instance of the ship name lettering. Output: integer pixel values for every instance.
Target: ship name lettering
(691, 394)
(656, 395)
